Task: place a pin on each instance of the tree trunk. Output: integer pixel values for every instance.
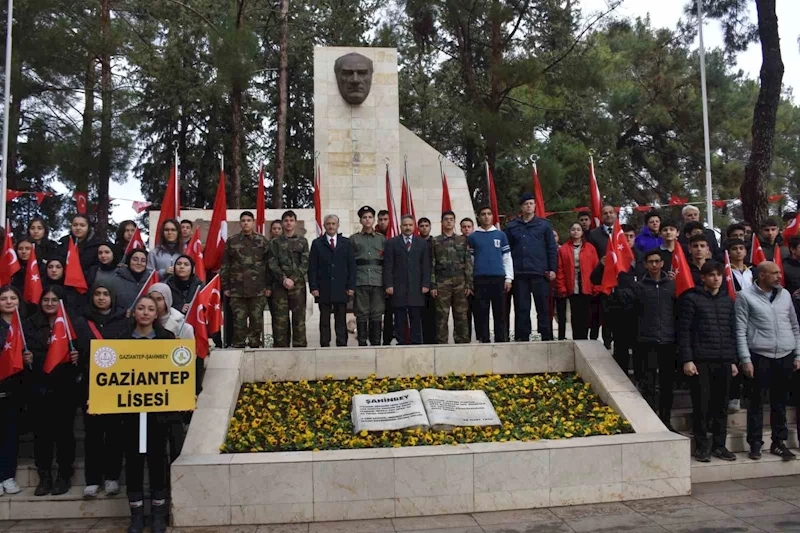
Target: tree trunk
(104, 170)
(756, 173)
(87, 131)
(283, 108)
(237, 125)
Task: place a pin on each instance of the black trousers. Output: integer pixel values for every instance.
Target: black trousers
(774, 375)
(9, 436)
(411, 318)
(490, 292)
(388, 323)
(596, 311)
(561, 317)
(339, 311)
(53, 415)
(104, 446)
(429, 320)
(624, 329)
(539, 287)
(158, 428)
(659, 369)
(709, 390)
(472, 314)
(581, 307)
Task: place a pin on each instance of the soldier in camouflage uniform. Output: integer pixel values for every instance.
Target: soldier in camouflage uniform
(245, 278)
(370, 297)
(451, 281)
(288, 262)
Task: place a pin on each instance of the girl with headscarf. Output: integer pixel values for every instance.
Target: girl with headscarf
(145, 326)
(169, 248)
(11, 398)
(106, 265)
(54, 396)
(103, 439)
(39, 235)
(130, 278)
(86, 241)
(54, 277)
(170, 318)
(183, 283)
(124, 235)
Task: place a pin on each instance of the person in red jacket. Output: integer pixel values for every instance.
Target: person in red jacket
(576, 260)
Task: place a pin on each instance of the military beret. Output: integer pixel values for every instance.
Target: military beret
(364, 210)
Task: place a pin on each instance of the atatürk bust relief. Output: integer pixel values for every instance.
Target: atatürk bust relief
(354, 77)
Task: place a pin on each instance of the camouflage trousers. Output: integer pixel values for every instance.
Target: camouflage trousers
(451, 295)
(248, 320)
(370, 303)
(285, 301)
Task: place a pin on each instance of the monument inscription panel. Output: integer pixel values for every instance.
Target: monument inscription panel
(447, 408)
(388, 412)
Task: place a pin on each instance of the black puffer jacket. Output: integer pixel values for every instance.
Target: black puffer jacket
(654, 303)
(87, 249)
(706, 327)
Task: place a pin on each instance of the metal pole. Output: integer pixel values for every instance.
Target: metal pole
(7, 107)
(709, 191)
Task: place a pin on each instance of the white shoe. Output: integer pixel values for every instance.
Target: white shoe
(111, 487)
(10, 486)
(90, 491)
(734, 406)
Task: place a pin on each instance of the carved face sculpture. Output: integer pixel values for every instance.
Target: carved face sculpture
(354, 77)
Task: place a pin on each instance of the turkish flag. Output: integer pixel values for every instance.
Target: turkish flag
(447, 205)
(9, 264)
(719, 203)
(211, 297)
(194, 249)
(170, 206)
(393, 229)
(261, 205)
(775, 198)
(407, 201)
(218, 231)
(492, 197)
(60, 341)
(683, 275)
(677, 200)
(11, 357)
(152, 279)
(40, 196)
(624, 251)
(619, 258)
(778, 260)
(136, 243)
(81, 199)
(611, 271)
(792, 229)
(196, 317)
(32, 292)
(11, 195)
(140, 206)
(643, 208)
(73, 273)
(537, 193)
(756, 252)
(729, 277)
(595, 200)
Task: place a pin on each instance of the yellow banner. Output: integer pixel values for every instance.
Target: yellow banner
(141, 376)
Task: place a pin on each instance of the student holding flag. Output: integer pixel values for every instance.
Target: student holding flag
(131, 278)
(11, 387)
(170, 247)
(124, 235)
(23, 249)
(183, 283)
(55, 346)
(170, 318)
(82, 236)
(55, 277)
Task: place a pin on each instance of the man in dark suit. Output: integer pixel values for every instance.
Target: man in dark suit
(598, 238)
(332, 280)
(407, 278)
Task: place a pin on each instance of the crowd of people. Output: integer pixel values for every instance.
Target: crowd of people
(723, 346)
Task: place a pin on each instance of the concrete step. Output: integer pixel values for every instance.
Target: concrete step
(27, 475)
(744, 467)
(682, 418)
(26, 506)
(737, 439)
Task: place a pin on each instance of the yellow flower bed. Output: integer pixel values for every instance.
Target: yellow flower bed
(315, 415)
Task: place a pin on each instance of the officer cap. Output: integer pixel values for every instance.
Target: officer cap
(364, 210)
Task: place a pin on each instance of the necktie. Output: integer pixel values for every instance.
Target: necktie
(333, 246)
(408, 244)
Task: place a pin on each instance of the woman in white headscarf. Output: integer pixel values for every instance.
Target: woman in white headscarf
(170, 318)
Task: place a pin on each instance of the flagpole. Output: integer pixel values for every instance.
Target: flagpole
(66, 326)
(7, 107)
(140, 290)
(177, 187)
(178, 336)
(706, 140)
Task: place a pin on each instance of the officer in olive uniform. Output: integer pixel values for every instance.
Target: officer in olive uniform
(245, 277)
(451, 281)
(370, 298)
(288, 262)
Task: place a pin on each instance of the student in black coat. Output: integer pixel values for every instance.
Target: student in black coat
(332, 280)
(103, 438)
(39, 236)
(145, 326)
(85, 239)
(54, 397)
(11, 396)
(54, 277)
(707, 348)
(407, 279)
(106, 266)
(183, 283)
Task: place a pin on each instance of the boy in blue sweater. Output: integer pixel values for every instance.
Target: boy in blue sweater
(493, 274)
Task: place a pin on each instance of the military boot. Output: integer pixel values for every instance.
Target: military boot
(375, 332)
(362, 332)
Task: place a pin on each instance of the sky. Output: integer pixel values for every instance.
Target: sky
(665, 13)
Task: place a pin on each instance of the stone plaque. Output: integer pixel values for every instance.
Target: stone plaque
(447, 409)
(388, 412)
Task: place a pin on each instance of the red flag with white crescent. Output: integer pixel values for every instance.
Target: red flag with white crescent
(595, 200)
(59, 343)
(140, 206)
(729, 277)
(136, 243)
(683, 275)
(792, 229)
(194, 249)
(11, 357)
(492, 197)
(196, 317)
(211, 297)
(623, 250)
(9, 263)
(756, 252)
(33, 289)
(73, 272)
(218, 230)
(81, 199)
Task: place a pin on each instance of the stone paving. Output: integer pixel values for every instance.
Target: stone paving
(749, 505)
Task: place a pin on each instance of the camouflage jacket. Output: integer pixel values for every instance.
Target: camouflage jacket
(451, 259)
(368, 249)
(244, 269)
(288, 258)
